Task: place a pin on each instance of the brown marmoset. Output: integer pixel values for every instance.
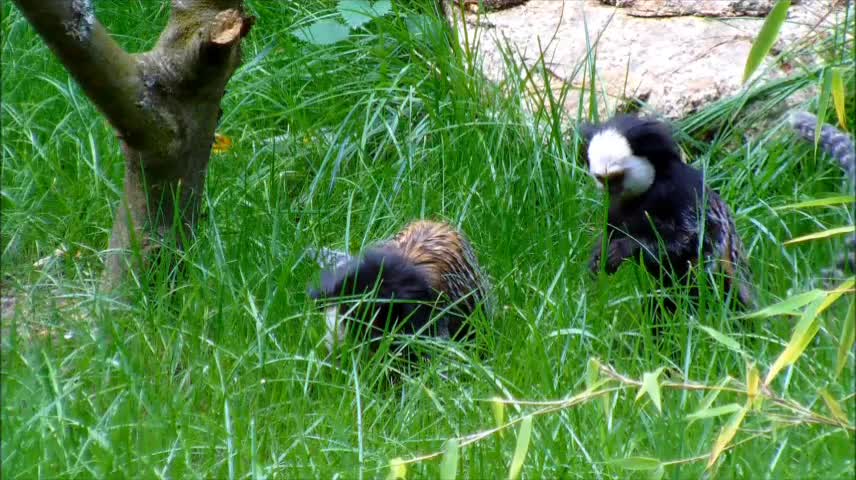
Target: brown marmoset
(424, 280)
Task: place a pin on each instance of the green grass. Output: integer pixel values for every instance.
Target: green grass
(222, 374)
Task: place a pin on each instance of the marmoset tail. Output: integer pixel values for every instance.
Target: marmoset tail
(839, 146)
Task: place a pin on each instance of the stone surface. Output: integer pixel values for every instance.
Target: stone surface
(473, 6)
(702, 8)
(675, 64)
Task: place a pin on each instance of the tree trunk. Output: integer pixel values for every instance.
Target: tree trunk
(164, 105)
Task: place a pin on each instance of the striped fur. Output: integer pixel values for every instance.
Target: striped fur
(834, 142)
(839, 146)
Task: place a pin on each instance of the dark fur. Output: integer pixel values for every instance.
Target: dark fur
(667, 213)
(394, 290)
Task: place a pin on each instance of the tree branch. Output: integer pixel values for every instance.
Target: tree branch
(100, 66)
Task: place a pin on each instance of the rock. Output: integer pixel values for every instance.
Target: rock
(701, 8)
(473, 6)
(675, 64)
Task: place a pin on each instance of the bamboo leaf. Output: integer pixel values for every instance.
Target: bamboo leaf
(592, 372)
(834, 407)
(824, 234)
(833, 295)
(711, 397)
(820, 202)
(449, 464)
(838, 97)
(498, 408)
(848, 336)
(397, 469)
(766, 37)
(753, 382)
(727, 434)
(651, 386)
(523, 437)
(714, 412)
(723, 339)
(803, 334)
(637, 463)
(593, 380)
(790, 306)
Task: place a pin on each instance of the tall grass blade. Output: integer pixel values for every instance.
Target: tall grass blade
(822, 103)
(766, 37)
(820, 202)
(637, 463)
(824, 234)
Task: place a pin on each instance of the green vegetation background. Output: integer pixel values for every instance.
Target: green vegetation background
(222, 375)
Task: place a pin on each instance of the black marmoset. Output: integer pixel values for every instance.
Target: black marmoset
(656, 204)
(428, 269)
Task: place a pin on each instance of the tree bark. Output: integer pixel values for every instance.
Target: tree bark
(164, 105)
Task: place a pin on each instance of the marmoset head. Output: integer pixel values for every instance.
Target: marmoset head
(384, 288)
(625, 153)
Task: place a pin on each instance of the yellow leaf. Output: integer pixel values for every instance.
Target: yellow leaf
(522, 447)
(848, 336)
(397, 469)
(803, 334)
(833, 295)
(498, 413)
(838, 97)
(726, 435)
(834, 407)
(753, 382)
(651, 386)
(222, 143)
(824, 234)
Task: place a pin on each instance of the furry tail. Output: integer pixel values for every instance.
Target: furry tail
(328, 258)
(833, 141)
